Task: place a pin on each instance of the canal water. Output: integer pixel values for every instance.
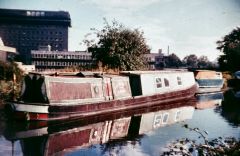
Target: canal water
(142, 132)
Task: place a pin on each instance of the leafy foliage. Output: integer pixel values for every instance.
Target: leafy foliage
(173, 61)
(7, 70)
(230, 48)
(118, 47)
(203, 62)
(190, 61)
(10, 80)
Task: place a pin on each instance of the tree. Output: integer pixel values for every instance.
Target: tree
(119, 47)
(229, 46)
(10, 80)
(203, 62)
(191, 61)
(173, 61)
(7, 70)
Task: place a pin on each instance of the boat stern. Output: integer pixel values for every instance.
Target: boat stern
(23, 111)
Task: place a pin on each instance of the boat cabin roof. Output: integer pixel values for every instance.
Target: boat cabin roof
(69, 74)
(84, 74)
(205, 71)
(153, 72)
(207, 74)
(90, 74)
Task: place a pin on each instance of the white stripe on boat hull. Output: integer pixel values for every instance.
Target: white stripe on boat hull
(206, 90)
(31, 108)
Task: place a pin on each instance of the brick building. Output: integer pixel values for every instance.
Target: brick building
(155, 61)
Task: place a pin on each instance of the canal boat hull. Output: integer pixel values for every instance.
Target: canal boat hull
(19, 130)
(33, 111)
(58, 97)
(208, 81)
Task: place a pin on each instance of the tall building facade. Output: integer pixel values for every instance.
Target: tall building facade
(29, 29)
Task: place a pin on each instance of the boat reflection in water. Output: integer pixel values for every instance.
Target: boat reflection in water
(49, 138)
(209, 100)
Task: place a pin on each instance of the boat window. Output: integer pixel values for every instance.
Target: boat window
(166, 82)
(158, 82)
(157, 120)
(179, 80)
(165, 118)
(219, 74)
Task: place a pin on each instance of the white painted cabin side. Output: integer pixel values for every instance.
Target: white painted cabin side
(159, 82)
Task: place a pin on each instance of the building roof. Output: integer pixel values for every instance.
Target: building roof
(60, 52)
(14, 16)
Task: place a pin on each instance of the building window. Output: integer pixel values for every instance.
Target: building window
(158, 82)
(42, 13)
(179, 80)
(28, 13)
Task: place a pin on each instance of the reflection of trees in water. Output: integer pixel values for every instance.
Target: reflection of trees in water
(230, 108)
(34, 146)
(2, 122)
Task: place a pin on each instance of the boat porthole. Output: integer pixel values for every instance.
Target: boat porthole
(96, 90)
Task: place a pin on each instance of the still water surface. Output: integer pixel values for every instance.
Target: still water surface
(139, 132)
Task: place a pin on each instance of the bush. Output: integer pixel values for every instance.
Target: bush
(10, 79)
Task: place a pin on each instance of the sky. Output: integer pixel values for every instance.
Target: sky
(186, 26)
